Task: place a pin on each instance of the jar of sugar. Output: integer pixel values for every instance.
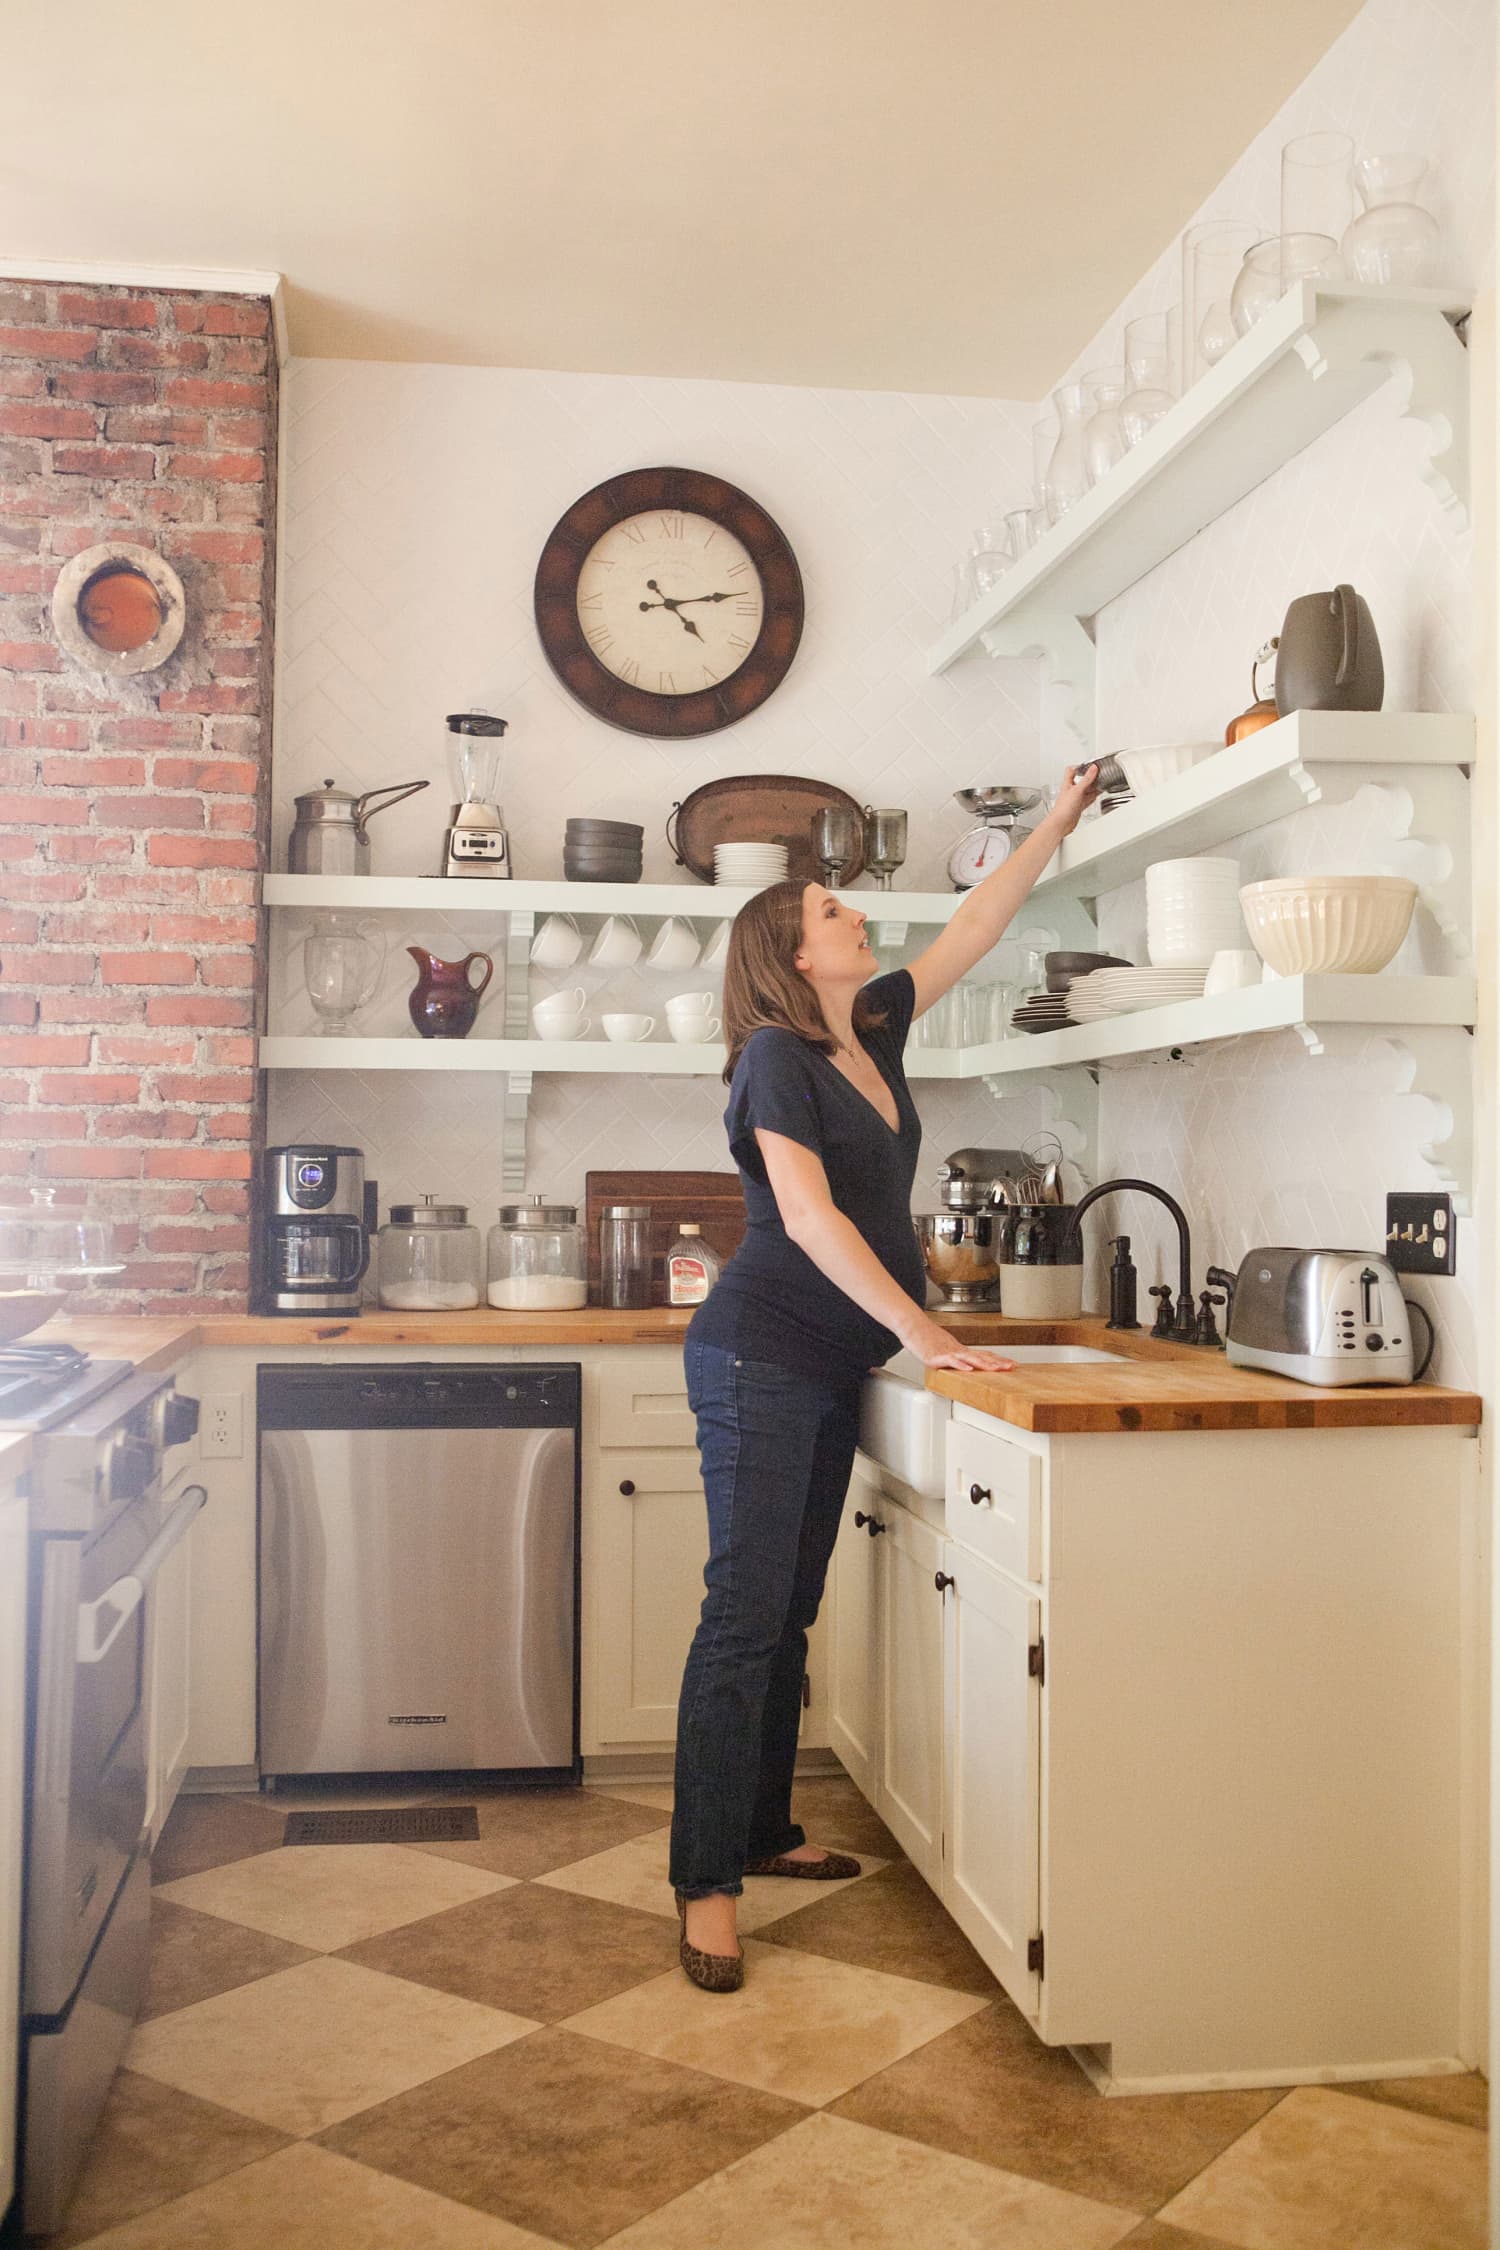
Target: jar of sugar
(428, 1258)
(538, 1260)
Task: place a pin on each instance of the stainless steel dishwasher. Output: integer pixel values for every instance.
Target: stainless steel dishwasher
(419, 1569)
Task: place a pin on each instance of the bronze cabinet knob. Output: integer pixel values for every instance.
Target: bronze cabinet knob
(627, 1487)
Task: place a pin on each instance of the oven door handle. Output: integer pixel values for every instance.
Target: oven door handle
(126, 1594)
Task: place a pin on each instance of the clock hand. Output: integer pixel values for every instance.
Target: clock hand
(666, 601)
(689, 627)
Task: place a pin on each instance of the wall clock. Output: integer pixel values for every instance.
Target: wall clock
(668, 602)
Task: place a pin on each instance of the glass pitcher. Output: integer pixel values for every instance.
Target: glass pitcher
(342, 958)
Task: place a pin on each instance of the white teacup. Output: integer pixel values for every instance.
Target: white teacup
(674, 946)
(716, 952)
(688, 1030)
(1232, 970)
(690, 1004)
(618, 945)
(557, 943)
(625, 1030)
(554, 1024)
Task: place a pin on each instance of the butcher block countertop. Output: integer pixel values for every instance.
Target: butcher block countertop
(1163, 1386)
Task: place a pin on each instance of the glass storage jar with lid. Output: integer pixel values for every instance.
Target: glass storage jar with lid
(428, 1258)
(537, 1258)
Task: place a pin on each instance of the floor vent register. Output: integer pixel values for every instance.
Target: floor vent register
(395, 1824)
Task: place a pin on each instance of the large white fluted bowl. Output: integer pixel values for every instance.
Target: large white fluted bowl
(1302, 925)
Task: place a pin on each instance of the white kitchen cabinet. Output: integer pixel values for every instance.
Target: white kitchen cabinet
(854, 1637)
(12, 1770)
(647, 1536)
(910, 1794)
(992, 1721)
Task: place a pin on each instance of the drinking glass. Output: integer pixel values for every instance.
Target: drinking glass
(1212, 253)
(1021, 531)
(1067, 471)
(1103, 431)
(1317, 184)
(1043, 444)
(1394, 239)
(1150, 375)
(1271, 267)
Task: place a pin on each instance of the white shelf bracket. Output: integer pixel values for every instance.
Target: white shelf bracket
(1069, 926)
(1067, 648)
(1422, 349)
(513, 1130)
(890, 936)
(519, 931)
(1437, 1062)
(1430, 813)
(1073, 1109)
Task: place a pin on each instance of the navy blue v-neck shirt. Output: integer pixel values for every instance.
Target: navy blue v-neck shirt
(772, 1302)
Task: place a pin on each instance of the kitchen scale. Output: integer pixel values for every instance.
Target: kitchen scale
(476, 842)
(983, 849)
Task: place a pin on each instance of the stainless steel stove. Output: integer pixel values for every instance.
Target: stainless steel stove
(44, 1384)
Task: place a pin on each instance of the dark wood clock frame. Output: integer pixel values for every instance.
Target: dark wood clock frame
(579, 669)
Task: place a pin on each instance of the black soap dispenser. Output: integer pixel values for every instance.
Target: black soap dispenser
(1122, 1286)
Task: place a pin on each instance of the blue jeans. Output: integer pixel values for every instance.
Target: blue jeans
(777, 1447)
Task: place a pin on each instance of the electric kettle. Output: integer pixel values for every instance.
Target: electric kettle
(1328, 655)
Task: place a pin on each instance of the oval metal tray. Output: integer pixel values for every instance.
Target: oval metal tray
(761, 808)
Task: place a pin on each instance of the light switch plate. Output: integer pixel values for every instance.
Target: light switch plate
(1419, 1234)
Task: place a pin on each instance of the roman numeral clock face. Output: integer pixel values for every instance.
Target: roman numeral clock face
(668, 602)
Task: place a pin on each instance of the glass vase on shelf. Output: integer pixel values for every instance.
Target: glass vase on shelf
(1272, 266)
(1020, 527)
(1043, 445)
(1103, 431)
(1395, 240)
(989, 557)
(1067, 471)
(1149, 375)
(1212, 253)
(1317, 185)
(342, 958)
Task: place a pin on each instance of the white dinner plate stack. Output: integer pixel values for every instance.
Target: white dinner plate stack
(1119, 992)
(749, 867)
(1192, 912)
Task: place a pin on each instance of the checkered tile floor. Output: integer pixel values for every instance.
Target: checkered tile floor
(489, 2046)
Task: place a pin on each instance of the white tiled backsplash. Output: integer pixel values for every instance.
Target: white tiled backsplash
(417, 500)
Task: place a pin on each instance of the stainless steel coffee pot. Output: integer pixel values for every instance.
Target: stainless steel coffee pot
(329, 836)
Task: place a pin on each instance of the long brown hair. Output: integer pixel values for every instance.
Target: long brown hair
(761, 984)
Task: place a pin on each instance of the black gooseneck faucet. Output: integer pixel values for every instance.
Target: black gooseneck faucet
(1185, 1329)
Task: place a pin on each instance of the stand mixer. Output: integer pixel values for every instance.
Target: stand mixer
(983, 849)
(476, 842)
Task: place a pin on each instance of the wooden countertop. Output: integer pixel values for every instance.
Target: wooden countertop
(1174, 1387)
(1163, 1386)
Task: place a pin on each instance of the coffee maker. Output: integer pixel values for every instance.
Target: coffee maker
(317, 1242)
(476, 842)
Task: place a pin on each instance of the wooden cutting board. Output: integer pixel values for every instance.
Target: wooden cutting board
(711, 1198)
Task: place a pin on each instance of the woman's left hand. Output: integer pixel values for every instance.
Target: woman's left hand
(1074, 798)
(973, 1359)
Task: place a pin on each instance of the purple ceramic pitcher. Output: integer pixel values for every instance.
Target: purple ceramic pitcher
(444, 1001)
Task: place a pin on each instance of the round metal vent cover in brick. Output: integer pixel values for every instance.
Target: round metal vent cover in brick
(118, 609)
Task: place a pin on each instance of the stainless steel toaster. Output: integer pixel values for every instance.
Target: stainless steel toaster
(1320, 1316)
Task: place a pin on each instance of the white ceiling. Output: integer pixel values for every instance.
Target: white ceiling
(878, 194)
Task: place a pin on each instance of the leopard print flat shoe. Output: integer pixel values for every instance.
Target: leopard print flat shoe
(710, 1972)
(833, 1867)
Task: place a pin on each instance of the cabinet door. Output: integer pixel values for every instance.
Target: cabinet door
(646, 1542)
(854, 1637)
(169, 1644)
(910, 1798)
(640, 1399)
(12, 1767)
(992, 1812)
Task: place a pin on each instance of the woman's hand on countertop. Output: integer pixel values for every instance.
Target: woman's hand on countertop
(934, 1347)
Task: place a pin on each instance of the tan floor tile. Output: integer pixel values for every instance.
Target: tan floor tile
(835, 1815)
(659, 1795)
(376, 1793)
(990, 2090)
(538, 1952)
(1463, 2098)
(210, 1831)
(328, 1895)
(829, 2185)
(154, 2143)
(525, 1832)
(635, 1874)
(1324, 2172)
(309, 2045)
(307, 2199)
(193, 1956)
(805, 2028)
(1155, 2234)
(891, 1920)
(564, 2135)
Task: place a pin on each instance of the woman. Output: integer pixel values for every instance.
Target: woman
(827, 1284)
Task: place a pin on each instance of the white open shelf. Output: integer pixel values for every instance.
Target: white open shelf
(694, 902)
(1305, 364)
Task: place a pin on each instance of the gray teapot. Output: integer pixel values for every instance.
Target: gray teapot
(329, 836)
(1328, 655)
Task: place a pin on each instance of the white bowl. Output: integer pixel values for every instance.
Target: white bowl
(1302, 925)
(1163, 761)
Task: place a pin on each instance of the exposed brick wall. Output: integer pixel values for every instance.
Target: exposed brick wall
(134, 812)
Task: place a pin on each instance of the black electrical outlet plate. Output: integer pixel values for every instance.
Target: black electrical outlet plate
(1419, 1234)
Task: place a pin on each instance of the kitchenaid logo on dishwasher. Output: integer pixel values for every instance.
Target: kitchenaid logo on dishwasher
(416, 1718)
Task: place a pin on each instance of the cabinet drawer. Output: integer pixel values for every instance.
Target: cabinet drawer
(642, 1400)
(994, 1500)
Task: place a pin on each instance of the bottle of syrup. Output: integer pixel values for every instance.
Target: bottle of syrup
(692, 1267)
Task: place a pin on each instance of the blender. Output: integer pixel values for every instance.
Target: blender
(476, 842)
